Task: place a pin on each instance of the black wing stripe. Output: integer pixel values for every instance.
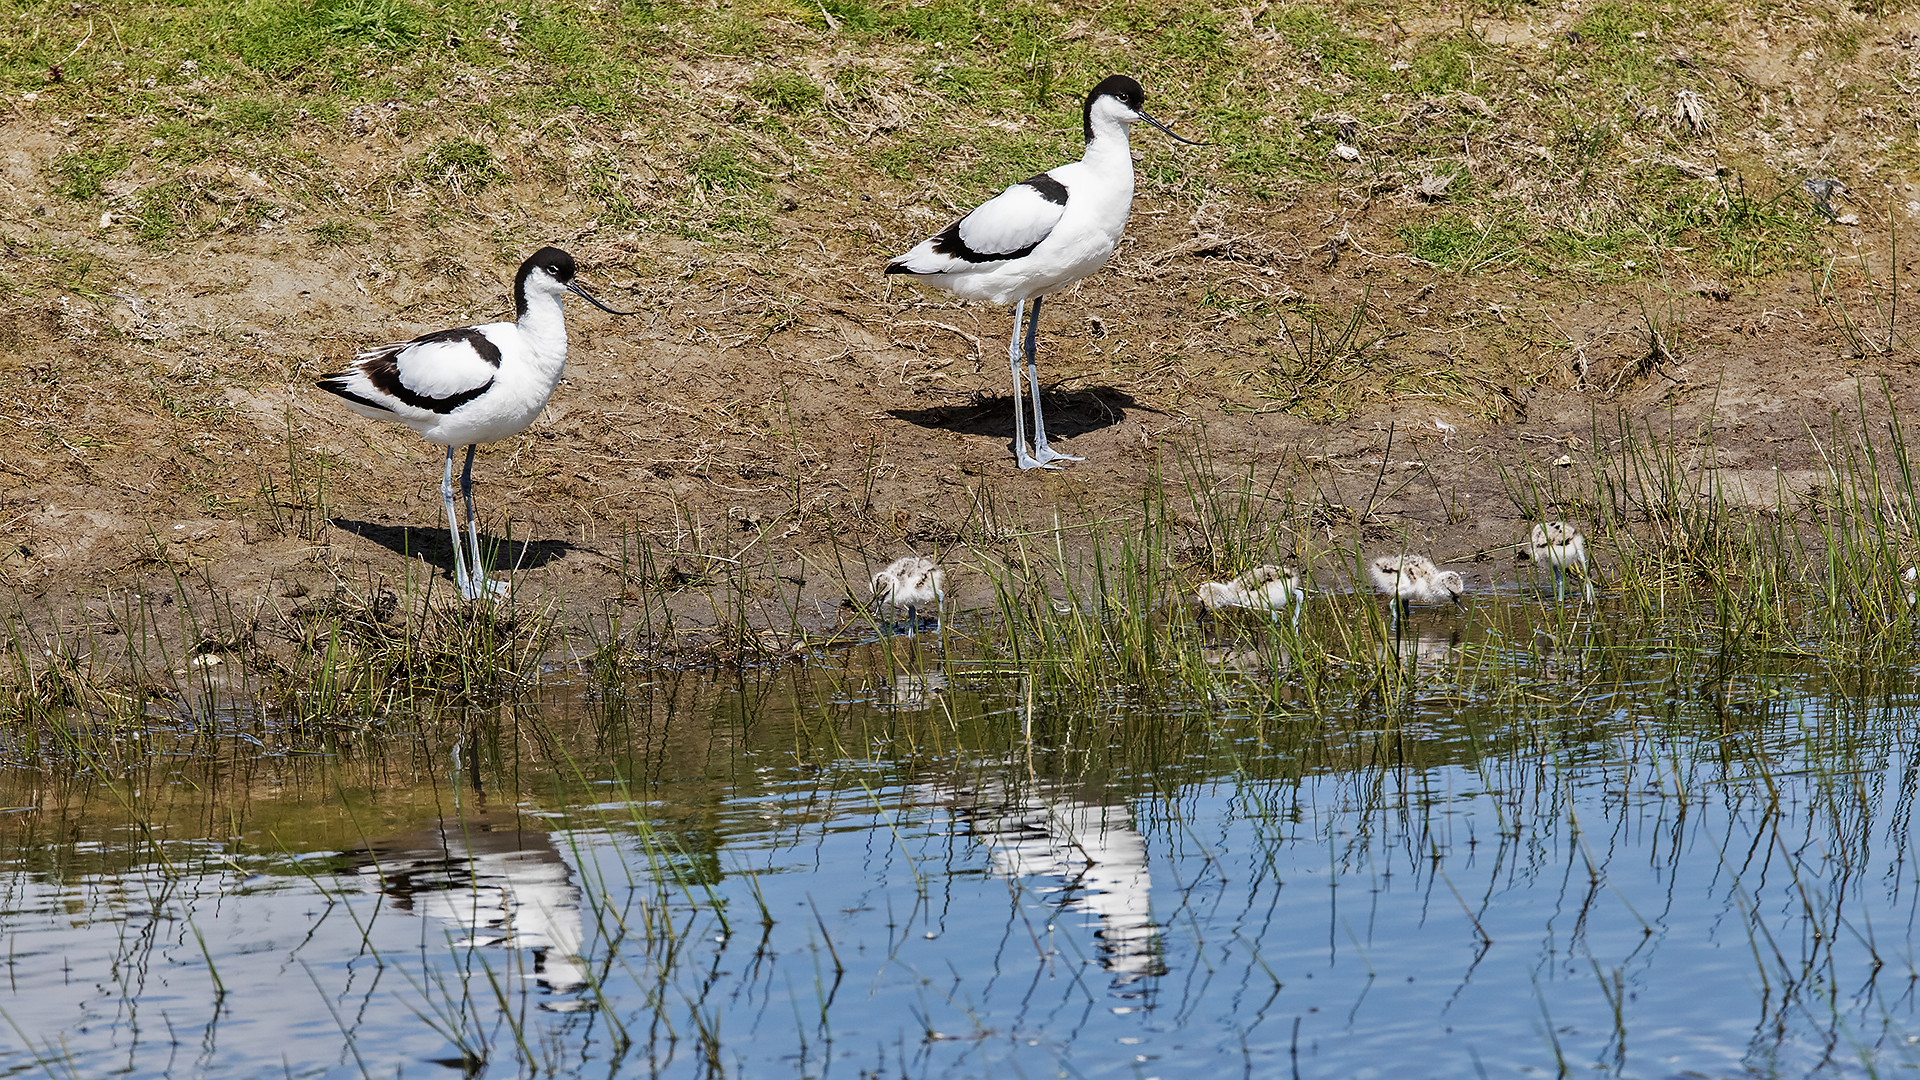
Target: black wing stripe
(1050, 189)
(948, 242)
(382, 369)
(471, 337)
(337, 384)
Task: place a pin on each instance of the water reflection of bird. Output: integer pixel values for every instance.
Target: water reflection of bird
(1234, 661)
(1091, 850)
(910, 582)
(1429, 651)
(1042, 233)
(497, 883)
(471, 385)
(1264, 588)
(1409, 579)
(908, 690)
(1562, 548)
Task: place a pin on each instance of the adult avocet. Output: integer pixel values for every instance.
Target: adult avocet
(909, 582)
(1561, 547)
(1042, 233)
(1271, 589)
(1407, 579)
(472, 385)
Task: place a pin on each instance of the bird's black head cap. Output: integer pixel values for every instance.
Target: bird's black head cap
(1120, 87)
(558, 265)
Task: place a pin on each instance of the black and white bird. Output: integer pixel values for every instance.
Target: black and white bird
(1561, 547)
(1040, 234)
(471, 385)
(912, 582)
(1407, 579)
(1272, 589)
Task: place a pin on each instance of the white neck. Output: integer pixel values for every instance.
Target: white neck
(544, 328)
(1109, 148)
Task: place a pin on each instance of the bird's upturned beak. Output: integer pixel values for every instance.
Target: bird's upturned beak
(1169, 131)
(574, 287)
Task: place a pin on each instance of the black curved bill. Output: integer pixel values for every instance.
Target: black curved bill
(1168, 130)
(574, 287)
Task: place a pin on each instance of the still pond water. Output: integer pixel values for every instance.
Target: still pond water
(903, 861)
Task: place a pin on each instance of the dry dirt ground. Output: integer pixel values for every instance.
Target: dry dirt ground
(787, 416)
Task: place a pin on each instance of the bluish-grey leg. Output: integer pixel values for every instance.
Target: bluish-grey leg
(477, 586)
(453, 525)
(1041, 451)
(1020, 455)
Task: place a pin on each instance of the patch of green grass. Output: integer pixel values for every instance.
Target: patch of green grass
(191, 205)
(281, 37)
(1588, 149)
(386, 23)
(979, 162)
(252, 116)
(1323, 43)
(725, 165)
(161, 212)
(745, 36)
(1603, 250)
(602, 179)
(737, 221)
(858, 84)
(953, 22)
(1754, 232)
(82, 174)
(335, 233)
(560, 36)
(458, 164)
(1446, 63)
(785, 91)
(1455, 241)
(1617, 25)
(183, 142)
(964, 85)
(1183, 34)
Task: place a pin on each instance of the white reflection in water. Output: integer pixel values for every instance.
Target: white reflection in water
(1234, 661)
(1078, 856)
(494, 883)
(909, 690)
(1430, 651)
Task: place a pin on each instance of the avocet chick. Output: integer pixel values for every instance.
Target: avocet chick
(910, 582)
(1264, 588)
(1561, 547)
(1405, 579)
(1912, 579)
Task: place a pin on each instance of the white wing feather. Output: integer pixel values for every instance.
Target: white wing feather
(1017, 218)
(440, 369)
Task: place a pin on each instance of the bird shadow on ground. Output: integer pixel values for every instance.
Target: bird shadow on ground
(1068, 413)
(435, 545)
